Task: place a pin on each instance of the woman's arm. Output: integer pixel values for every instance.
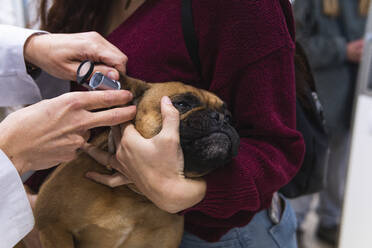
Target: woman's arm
(248, 56)
(50, 132)
(41, 136)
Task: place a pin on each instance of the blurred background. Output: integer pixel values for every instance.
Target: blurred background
(334, 36)
(20, 13)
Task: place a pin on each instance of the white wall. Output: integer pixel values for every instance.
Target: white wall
(357, 215)
(19, 12)
(12, 12)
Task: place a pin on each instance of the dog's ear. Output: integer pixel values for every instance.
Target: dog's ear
(135, 86)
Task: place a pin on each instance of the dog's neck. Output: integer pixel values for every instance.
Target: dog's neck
(112, 150)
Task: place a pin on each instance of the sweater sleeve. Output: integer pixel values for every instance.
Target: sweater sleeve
(249, 61)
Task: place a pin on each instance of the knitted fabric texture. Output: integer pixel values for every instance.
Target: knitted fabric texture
(246, 52)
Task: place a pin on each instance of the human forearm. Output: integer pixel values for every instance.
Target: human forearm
(176, 194)
(18, 164)
(270, 150)
(50, 132)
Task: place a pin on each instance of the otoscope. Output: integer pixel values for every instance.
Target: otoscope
(98, 81)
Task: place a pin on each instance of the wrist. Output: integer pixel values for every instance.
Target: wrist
(178, 194)
(31, 49)
(19, 164)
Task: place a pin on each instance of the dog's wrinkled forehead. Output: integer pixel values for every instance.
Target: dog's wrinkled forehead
(184, 97)
(176, 90)
(186, 101)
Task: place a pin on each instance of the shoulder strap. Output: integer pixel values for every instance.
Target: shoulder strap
(189, 33)
(288, 15)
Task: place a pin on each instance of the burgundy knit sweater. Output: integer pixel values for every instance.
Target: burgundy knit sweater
(246, 52)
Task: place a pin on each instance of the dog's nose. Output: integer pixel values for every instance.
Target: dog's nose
(214, 115)
(219, 117)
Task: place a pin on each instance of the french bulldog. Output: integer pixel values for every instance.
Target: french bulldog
(73, 211)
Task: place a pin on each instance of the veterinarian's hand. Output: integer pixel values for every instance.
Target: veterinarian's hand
(155, 165)
(110, 161)
(49, 132)
(61, 54)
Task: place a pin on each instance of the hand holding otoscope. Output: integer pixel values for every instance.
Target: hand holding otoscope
(60, 54)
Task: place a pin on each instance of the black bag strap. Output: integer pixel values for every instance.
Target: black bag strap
(189, 34)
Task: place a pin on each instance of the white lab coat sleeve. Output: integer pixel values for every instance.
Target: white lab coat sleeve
(16, 218)
(16, 86)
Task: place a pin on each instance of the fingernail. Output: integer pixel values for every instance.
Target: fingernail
(89, 175)
(130, 94)
(86, 146)
(167, 100)
(112, 75)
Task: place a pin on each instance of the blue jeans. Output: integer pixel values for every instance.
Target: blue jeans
(259, 233)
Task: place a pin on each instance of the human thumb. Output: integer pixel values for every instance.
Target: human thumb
(171, 118)
(107, 71)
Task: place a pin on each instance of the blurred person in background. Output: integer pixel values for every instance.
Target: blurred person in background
(331, 32)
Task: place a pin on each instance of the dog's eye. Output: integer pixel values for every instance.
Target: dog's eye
(182, 106)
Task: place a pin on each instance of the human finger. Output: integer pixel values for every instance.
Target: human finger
(111, 117)
(104, 52)
(66, 70)
(102, 157)
(171, 119)
(70, 70)
(131, 135)
(103, 98)
(115, 59)
(108, 71)
(360, 49)
(112, 56)
(32, 197)
(112, 181)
